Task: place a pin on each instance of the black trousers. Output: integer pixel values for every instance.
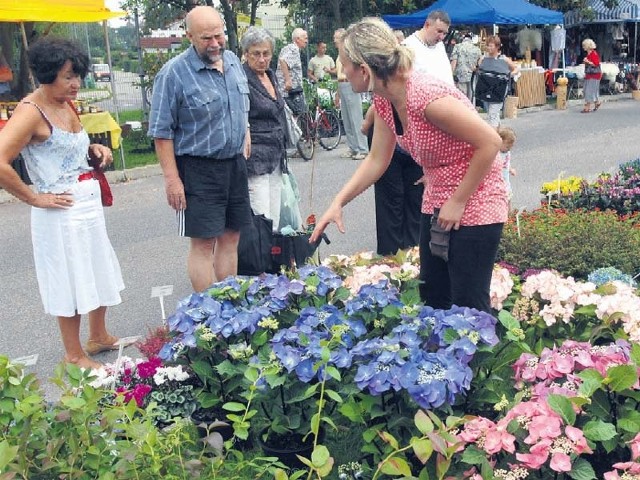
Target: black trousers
(398, 203)
(466, 278)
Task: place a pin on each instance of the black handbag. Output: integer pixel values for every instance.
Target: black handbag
(254, 248)
(295, 101)
(293, 250)
(491, 86)
(591, 69)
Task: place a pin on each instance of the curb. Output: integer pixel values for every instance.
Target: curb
(113, 177)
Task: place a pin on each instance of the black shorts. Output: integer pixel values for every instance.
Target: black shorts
(217, 196)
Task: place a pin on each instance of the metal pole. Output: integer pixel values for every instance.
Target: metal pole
(86, 33)
(141, 73)
(114, 92)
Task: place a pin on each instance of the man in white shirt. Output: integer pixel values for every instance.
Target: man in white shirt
(430, 54)
(321, 65)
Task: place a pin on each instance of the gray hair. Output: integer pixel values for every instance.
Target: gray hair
(439, 15)
(255, 35)
(588, 43)
(297, 33)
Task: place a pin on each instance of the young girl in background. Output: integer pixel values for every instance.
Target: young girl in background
(508, 137)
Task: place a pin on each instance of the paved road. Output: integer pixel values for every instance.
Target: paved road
(141, 226)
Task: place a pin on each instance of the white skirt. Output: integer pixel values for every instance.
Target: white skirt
(77, 269)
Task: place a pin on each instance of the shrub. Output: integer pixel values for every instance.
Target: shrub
(573, 243)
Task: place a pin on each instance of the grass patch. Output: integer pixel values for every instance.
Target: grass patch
(138, 149)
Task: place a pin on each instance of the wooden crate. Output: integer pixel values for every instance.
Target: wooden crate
(530, 88)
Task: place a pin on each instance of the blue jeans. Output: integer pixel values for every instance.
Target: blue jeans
(466, 278)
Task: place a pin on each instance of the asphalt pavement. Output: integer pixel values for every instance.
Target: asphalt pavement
(142, 227)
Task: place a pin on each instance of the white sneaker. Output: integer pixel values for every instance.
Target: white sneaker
(359, 156)
(347, 154)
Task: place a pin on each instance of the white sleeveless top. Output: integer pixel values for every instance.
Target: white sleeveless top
(54, 165)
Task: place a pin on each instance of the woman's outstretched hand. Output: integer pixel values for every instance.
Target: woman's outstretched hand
(332, 215)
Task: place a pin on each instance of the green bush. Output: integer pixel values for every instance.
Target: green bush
(574, 243)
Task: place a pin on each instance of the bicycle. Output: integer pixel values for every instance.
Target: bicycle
(323, 126)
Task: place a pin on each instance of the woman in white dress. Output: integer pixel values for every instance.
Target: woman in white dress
(77, 269)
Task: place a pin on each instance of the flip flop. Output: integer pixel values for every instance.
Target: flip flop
(585, 111)
(597, 106)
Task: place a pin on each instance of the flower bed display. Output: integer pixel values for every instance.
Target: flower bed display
(344, 356)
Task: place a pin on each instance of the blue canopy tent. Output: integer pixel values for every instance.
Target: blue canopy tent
(485, 12)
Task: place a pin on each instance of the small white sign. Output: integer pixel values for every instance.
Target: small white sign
(161, 291)
(27, 361)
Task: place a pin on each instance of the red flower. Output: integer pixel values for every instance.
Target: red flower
(148, 369)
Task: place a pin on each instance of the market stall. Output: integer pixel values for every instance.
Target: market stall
(102, 128)
(530, 87)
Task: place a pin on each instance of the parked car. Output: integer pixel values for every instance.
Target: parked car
(101, 71)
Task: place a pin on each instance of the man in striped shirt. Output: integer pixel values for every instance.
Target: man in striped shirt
(199, 120)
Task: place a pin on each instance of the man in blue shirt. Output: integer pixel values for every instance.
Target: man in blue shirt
(199, 120)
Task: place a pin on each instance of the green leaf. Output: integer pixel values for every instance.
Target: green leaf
(396, 466)
(203, 369)
(234, 407)
(335, 396)
(635, 353)
(315, 423)
(226, 369)
(423, 449)
(582, 470)
(563, 407)
(7, 454)
(333, 373)
(280, 474)
(507, 320)
(352, 411)
(390, 439)
(423, 422)
(260, 338)
(473, 456)
(74, 403)
(622, 377)
(320, 456)
(597, 430)
(252, 374)
(629, 425)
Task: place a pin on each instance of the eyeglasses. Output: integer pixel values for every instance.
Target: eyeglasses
(257, 55)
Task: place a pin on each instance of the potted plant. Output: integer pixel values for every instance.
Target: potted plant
(149, 382)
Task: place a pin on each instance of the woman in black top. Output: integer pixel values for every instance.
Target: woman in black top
(267, 125)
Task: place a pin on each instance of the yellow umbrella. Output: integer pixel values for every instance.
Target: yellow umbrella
(71, 11)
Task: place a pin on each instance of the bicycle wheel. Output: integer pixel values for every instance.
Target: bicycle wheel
(306, 144)
(329, 132)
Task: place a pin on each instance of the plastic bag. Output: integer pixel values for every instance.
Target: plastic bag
(290, 203)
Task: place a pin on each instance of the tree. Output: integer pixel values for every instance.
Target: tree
(566, 5)
(160, 14)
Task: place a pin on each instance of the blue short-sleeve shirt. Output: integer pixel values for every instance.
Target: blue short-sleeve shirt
(205, 112)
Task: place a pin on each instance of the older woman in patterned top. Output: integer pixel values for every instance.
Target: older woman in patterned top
(458, 152)
(267, 125)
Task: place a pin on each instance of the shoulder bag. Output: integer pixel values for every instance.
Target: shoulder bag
(98, 174)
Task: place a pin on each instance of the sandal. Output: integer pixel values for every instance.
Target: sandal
(93, 347)
(585, 111)
(597, 106)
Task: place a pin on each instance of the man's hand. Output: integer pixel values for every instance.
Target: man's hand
(175, 193)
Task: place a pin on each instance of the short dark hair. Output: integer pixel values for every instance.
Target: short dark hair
(48, 55)
(439, 15)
